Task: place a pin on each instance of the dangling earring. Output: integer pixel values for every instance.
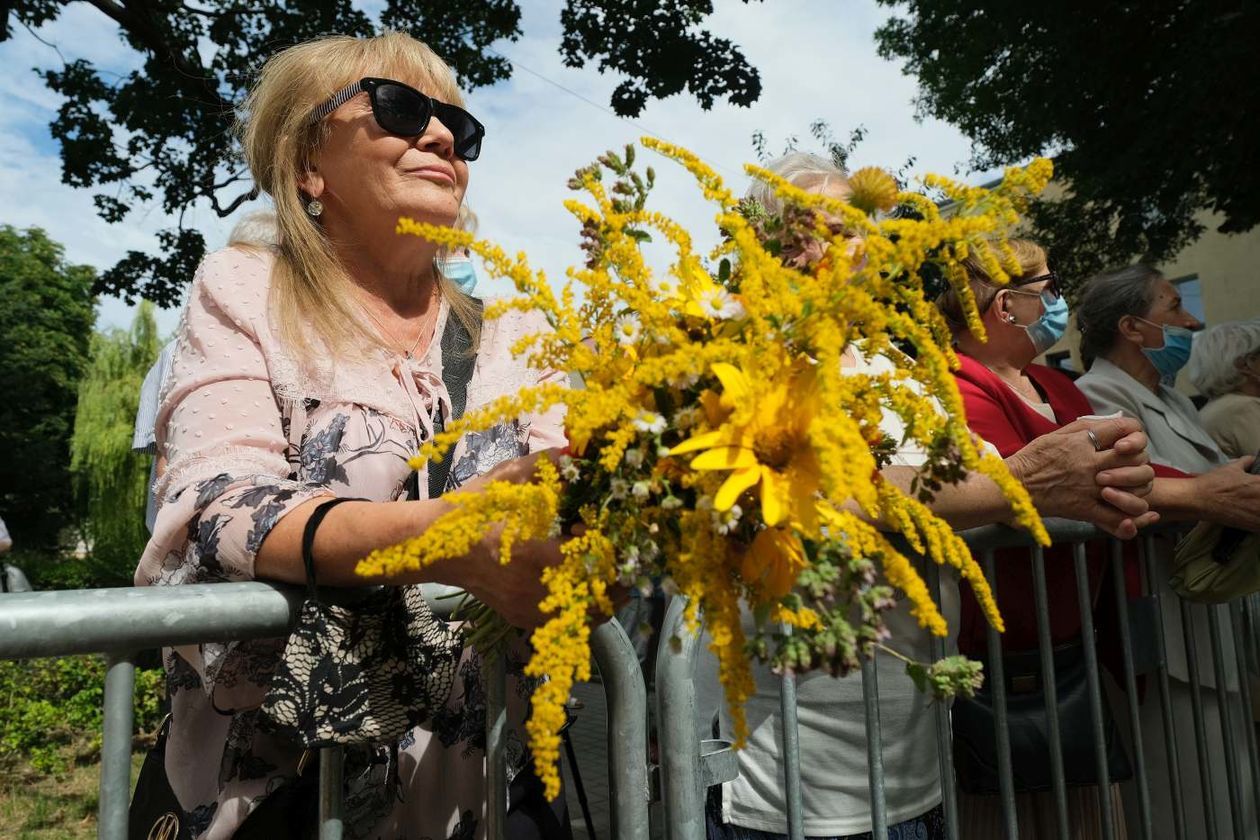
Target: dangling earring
(1010, 319)
(314, 207)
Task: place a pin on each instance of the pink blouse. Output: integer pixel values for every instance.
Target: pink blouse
(228, 482)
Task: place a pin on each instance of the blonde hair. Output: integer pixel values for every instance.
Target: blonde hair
(1028, 254)
(309, 282)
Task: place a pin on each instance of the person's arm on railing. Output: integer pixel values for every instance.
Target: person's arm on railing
(1227, 495)
(1066, 478)
(352, 530)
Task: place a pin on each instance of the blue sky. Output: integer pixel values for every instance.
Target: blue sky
(817, 60)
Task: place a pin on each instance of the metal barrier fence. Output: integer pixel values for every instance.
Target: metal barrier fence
(691, 765)
(121, 622)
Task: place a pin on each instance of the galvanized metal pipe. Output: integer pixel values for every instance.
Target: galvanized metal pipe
(1147, 549)
(494, 675)
(1048, 687)
(1145, 824)
(118, 723)
(1200, 730)
(1227, 729)
(682, 791)
(997, 689)
(1093, 684)
(791, 755)
(331, 790)
(944, 733)
(626, 698)
(874, 746)
(1242, 648)
(62, 623)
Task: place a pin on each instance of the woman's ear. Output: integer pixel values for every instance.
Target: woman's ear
(311, 183)
(1128, 329)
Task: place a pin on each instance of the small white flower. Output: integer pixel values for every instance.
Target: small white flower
(662, 452)
(720, 303)
(634, 457)
(627, 329)
(641, 489)
(618, 488)
(568, 469)
(669, 503)
(704, 503)
(650, 422)
(654, 528)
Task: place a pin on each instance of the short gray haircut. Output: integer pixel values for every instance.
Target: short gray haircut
(1213, 367)
(800, 169)
(1106, 299)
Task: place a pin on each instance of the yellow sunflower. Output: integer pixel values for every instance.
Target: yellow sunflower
(765, 440)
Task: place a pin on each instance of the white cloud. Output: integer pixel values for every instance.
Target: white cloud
(817, 60)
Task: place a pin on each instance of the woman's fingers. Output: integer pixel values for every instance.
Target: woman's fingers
(1126, 503)
(1139, 480)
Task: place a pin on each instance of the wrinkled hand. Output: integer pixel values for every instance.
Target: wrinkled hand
(1232, 495)
(512, 589)
(1066, 477)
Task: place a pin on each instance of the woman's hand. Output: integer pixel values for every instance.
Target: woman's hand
(1066, 476)
(512, 589)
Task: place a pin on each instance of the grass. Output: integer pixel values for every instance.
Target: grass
(62, 806)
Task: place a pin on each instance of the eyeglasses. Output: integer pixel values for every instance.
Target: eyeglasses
(1052, 286)
(405, 111)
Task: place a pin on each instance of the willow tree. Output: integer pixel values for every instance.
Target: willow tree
(112, 479)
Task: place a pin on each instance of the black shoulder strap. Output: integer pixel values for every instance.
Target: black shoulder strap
(459, 357)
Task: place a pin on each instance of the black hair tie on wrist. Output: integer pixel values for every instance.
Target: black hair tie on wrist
(308, 539)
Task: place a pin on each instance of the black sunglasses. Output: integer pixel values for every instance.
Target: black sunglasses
(405, 111)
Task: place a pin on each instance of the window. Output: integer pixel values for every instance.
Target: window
(1191, 295)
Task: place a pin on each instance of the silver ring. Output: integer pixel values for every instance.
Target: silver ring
(1093, 438)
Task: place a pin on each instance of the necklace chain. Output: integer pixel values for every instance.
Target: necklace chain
(387, 333)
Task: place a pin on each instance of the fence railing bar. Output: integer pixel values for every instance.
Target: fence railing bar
(627, 731)
(118, 722)
(1145, 824)
(1147, 550)
(1048, 687)
(944, 733)
(64, 623)
(1094, 685)
(494, 675)
(682, 791)
(997, 688)
(791, 737)
(874, 746)
(331, 789)
(1200, 729)
(1224, 704)
(1243, 643)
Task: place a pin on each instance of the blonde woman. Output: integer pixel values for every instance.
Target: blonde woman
(330, 341)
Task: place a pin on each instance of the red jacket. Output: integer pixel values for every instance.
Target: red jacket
(997, 414)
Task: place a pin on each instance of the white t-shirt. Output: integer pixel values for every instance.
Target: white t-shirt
(835, 787)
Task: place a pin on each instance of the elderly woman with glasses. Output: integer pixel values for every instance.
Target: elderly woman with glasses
(1225, 367)
(1010, 401)
(307, 372)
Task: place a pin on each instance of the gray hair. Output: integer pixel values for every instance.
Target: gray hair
(800, 169)
(1107, 298)
(1213, 367)
(259, 229)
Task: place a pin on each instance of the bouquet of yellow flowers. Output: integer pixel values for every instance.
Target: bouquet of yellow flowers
(717, 445)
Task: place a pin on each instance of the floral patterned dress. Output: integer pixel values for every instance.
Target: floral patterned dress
(229, 481)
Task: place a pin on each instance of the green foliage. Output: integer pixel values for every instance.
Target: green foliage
(112, 478)
(1130, 98)
(163, 127)
(46, 316)
(50, 710)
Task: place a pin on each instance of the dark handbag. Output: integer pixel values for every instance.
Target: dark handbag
(975, 738)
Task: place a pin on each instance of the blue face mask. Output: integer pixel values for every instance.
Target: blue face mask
(1172, 357)
(1046, 331)
(460, 271)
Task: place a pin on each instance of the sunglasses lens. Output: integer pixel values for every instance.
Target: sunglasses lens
(467, 132)
(400, 110)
